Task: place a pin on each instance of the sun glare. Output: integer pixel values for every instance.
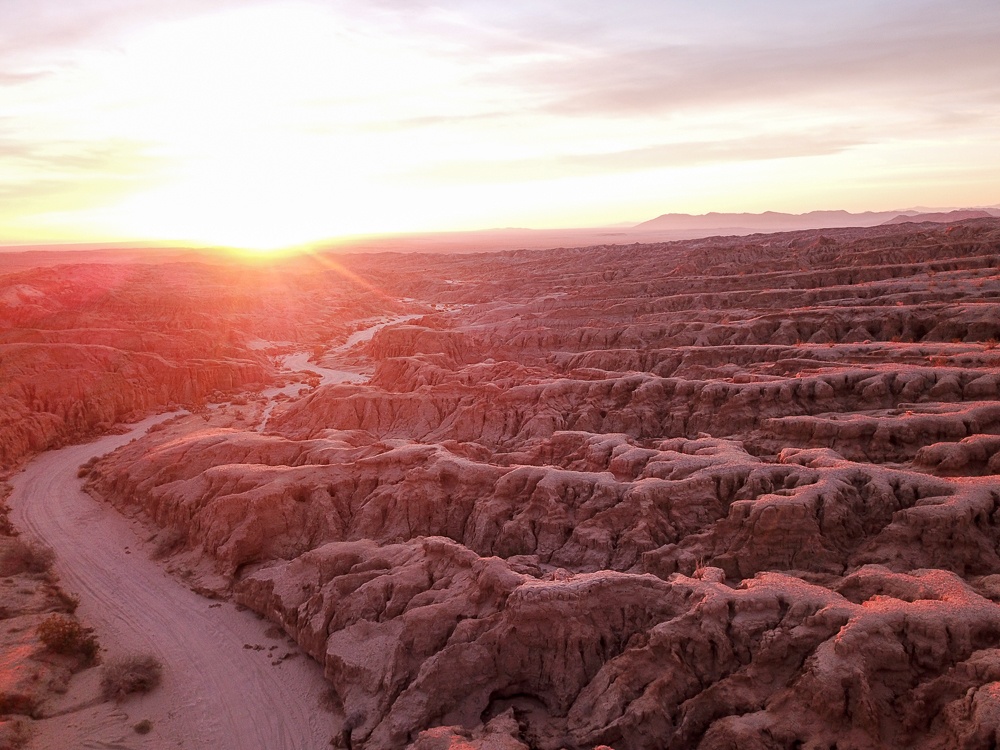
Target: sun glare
(263, 121)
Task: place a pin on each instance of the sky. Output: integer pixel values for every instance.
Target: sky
(261, 123)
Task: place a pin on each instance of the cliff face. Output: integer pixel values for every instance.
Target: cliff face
(55, 393)
(82, 349)
(716, 494)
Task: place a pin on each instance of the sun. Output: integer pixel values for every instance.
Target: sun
(268, 127)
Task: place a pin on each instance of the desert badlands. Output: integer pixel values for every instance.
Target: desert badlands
(734, 492)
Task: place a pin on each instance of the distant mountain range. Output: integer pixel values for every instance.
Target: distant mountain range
(943, 217)
(773, 221)
(666, 228)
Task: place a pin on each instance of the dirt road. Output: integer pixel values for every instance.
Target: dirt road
(300, 362)
(225, 682)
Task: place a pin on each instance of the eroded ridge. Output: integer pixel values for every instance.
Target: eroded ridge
(87, 346)
(723, 493)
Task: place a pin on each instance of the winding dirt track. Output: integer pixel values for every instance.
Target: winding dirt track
(216, 693)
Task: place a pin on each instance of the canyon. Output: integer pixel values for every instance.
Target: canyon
(714, 493)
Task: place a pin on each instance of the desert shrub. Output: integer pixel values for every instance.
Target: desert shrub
(68, 601)
(64, 635)
(19, 556)
(17, 703)
(14, 733)
(134, 673)
(87, 466)
(6, 529)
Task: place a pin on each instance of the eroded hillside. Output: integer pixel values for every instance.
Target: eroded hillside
(721, 493)
(89, 345)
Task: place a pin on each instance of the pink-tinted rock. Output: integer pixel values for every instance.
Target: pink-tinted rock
(728, 493)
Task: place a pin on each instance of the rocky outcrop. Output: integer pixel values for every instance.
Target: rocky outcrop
(736, 492)
(427, 634)
(85, 346)
(56, 393)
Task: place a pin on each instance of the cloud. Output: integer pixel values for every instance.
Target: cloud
(640, 56)
(589, 58)
(54, 33)
(13, 78)
(42, 176)
(682, 76)
(898, 61)
(658, 156)
(115, 156)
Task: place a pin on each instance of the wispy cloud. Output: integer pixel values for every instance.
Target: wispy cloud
(13, 78)
(40, 26)
(42, 177)
(111, 157)
(658, 156)
(882, 62)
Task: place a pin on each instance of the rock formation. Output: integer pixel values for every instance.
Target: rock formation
(736, 492)
(86, 346)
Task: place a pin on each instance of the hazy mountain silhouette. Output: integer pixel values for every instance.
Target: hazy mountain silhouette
(943, 216)
(770, 221)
